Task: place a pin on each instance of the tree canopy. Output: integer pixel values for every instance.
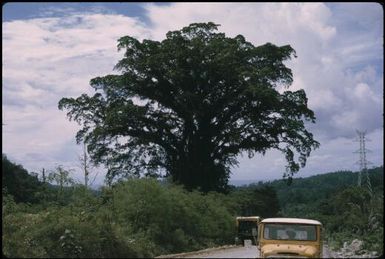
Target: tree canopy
(185, 107)
(17, 182)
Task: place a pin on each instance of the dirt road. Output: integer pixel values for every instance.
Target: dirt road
(233, 252)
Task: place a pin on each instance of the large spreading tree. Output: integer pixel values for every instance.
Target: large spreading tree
(187, 106)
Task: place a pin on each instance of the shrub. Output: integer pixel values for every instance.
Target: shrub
(174, 219)
(136, 218)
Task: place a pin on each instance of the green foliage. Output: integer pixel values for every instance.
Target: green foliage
(176, 220)
(205, 99)
(145, 217)
(136, 218)
(357, 214)
(81, 229)
(18, 183)
(9, 205)
(61, 177)
(27, 189)
(255, 200)
(346, 211)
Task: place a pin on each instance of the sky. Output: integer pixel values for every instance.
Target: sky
(52, 50)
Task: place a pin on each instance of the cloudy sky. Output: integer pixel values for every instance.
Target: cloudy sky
(52, 50)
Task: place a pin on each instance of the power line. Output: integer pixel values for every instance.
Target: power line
(363, 162)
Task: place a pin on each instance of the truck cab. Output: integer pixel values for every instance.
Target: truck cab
(247, 229)
(289, 237)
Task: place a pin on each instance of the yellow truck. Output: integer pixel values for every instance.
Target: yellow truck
(247, 228)
(289, 237)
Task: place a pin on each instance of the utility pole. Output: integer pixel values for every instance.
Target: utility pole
(363, 162)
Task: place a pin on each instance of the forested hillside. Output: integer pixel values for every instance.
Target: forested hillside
(133, 218)
(146, 217)
(16, 181)
(307, 190)
(346, 210)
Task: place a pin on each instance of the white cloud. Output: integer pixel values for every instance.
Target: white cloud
(61, 55)
(281, 23)
(47, 58)
(307, 27)
(333, 155)
(44, 60)
(327, 50)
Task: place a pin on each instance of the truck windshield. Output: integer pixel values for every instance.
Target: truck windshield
(290, 232)
(245, 227)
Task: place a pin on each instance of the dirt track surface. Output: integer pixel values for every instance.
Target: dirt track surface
(230, 252)
(235, 252)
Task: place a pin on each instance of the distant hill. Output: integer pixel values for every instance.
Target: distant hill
(347, 211)
(314, 189)
(241, 182)
(18, 182)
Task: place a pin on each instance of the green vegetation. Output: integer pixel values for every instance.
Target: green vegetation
(21, 185)
(146, 217)
(205, 98)
(132, 218)
(347, 211)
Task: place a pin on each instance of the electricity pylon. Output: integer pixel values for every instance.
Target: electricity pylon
(363, 162)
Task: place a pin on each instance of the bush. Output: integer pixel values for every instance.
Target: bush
(174, 219)
(137, 218)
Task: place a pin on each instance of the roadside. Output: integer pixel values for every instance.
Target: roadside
(352, 250)
(230, 251)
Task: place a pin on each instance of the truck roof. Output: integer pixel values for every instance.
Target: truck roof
(249, 218)
(291, 220)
